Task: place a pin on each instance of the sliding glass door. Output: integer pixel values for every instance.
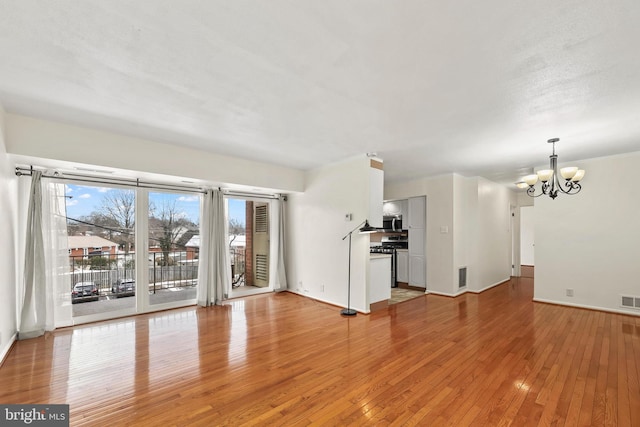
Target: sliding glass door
(128, 257)
(174, 241)
(132, 250)
(249, 230)
(101, 235)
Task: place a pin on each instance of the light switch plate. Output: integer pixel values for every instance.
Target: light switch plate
(444, 229)
(347, 217)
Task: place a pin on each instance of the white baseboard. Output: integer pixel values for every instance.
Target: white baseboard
(588, 307)
(477, 291)
(7, 347)
(446, 294)
(464, 291)
(327, 301)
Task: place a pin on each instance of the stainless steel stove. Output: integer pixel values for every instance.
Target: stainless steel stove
(389, 245)
(381, 250)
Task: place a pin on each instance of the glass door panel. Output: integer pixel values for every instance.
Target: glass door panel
(101, 235)
(174, 242)
(249, 245)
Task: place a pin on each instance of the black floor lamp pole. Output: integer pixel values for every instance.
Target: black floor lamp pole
(349, 311)
(365, 229)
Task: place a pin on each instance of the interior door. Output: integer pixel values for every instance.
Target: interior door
(261, 244)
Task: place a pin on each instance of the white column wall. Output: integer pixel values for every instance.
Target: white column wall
(493, 245)
(589, 242)
(8, 246)
(317, 257)
(465, 229)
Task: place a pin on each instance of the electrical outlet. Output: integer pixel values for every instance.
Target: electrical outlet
(347, 217)
(321, 288)
(569, 292)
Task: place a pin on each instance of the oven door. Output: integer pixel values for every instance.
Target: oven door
(387, 223)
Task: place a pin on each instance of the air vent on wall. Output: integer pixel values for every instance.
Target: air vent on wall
(630, 301)
(462, 277)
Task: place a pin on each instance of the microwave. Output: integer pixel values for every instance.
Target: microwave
(392, 222)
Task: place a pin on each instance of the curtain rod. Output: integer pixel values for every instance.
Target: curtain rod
(24, 171)
(255, 195)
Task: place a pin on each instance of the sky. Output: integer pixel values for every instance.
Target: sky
(82, 200)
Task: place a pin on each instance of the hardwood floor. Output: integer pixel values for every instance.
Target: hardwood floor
(527, 271)
(493, 359)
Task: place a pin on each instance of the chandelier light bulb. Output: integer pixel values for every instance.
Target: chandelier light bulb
(545, 174)
(531, 179)
(578, 176)
(568, 173)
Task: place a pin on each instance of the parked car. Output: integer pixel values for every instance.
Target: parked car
(124, 288)
(84, 291)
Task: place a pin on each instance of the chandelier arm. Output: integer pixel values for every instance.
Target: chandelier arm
(546, 188)
(571, 186)
(531, 191)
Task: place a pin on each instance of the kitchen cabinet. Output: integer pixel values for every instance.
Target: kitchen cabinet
(380, 278)
(396, 207)
(417, 272)
(403, 265)
(417, 241)
(417, 212)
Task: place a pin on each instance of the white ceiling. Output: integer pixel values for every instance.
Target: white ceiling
(431, 86)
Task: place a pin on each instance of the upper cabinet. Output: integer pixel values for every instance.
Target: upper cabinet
(396, 207)
(417, 220)
(417, 212)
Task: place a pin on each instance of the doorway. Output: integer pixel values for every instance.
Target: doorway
(248, 234)
(527, 241)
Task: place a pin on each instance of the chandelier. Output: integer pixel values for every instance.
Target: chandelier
(551, 184)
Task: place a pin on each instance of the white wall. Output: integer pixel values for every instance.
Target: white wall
(476, 213)
(589, 242)
(45, 139)
(493, 261)
(317, 257)
(527, 235)
(439, 192)
(465, 229)
(8, 227)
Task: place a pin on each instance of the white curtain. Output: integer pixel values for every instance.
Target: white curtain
(56, 252)
(34, 319)
(214, 269)
(281, 274)
(46, 280)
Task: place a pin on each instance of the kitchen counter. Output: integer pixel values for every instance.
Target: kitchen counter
(379, 280)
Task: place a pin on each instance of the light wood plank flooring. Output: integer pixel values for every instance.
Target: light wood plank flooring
(492, 359)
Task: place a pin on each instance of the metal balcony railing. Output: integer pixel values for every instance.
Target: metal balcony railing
(171, 270)
(238, 266)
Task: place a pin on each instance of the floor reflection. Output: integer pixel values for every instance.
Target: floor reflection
(237, 352)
